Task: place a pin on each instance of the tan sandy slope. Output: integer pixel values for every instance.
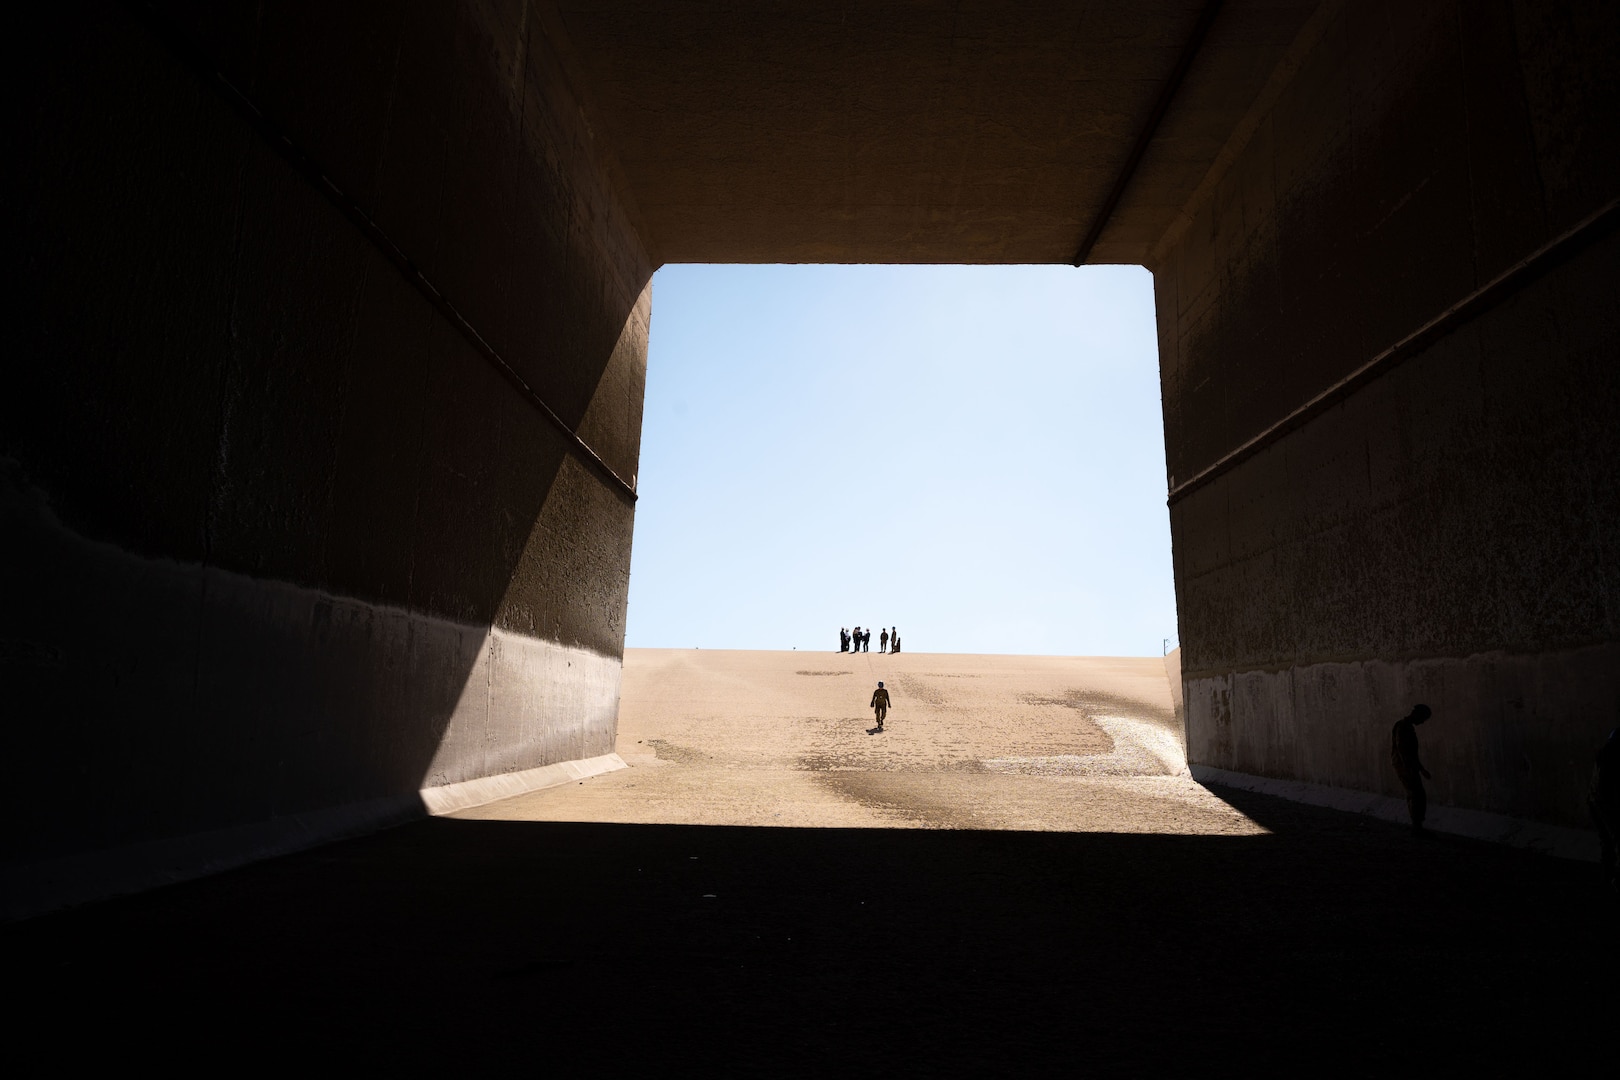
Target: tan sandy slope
(988, 742)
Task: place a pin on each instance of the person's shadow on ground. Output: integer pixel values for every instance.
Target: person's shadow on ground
(874, 731)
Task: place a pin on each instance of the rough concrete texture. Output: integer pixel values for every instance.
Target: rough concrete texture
(280, 539)
(980, 133)
(289, 273)
(1444, 534)
(206, 696)
(1511, 735)
(783, 739)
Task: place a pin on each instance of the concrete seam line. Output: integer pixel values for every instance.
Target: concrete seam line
(1150, 127)
(190, 55)
(553, 26)
(1282, 76)
(1475, 303)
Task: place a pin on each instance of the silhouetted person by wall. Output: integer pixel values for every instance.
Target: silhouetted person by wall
(883, 641)
(1603, 800)
(866, 640)
(1403, 754)
(880, 703)
(894, 643)
(843, 640)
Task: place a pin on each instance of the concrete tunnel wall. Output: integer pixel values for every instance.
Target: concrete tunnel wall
(284, 543)
(281, 545)
(1445, 534)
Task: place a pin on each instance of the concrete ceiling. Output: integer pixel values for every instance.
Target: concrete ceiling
(810, 131)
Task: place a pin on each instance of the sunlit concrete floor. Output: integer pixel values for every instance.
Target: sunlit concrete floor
(987, 742)
(1013, 877)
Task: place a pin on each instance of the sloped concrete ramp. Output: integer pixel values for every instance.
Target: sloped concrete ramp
(987, 742)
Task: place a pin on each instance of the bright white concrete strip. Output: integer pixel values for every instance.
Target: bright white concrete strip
(1556, 840)
(1140, 749)
(486, 789)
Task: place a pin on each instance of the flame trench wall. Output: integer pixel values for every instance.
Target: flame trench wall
(283, 542)
(318, 305)
(1446, 533)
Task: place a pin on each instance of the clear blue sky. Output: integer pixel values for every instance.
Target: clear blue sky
(972, 454)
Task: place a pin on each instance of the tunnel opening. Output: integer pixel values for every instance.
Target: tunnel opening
(974, 451)
(320, 470)
(319, 464)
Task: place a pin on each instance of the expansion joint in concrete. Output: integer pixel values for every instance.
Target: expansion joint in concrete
(1150, 128)
(1476, 303)
(202, 66)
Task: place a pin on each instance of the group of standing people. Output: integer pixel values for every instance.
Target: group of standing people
(860, 640)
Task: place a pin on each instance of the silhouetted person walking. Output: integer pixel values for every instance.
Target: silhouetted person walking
(883, 642)
(1403, 754)
(880, 703)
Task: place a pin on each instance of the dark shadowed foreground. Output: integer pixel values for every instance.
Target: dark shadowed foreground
(1333, 945)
